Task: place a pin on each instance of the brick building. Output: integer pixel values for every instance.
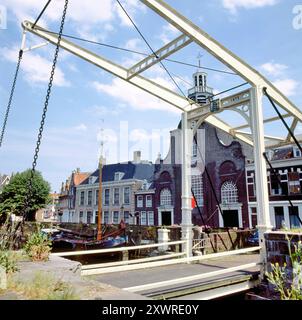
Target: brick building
(288, 163)
(224, 159)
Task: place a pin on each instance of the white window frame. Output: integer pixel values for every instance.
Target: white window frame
(89, 191)
(229, 193)
(118, 176)
(96, 196)
(143, 216)
(140, 201)
(165, 197)
(114, 216)
(81, 216)
(149, 202)
(104, 200)
(152, 222)
(124, 202)
(128, 219)
(113, 200)
(106, 213)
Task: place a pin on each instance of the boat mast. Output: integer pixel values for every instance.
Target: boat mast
(99, 234)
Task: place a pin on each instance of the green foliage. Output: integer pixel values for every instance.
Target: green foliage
(8, 260)
(43, 286)
(38, 246)
(288, 282)
(12, 198)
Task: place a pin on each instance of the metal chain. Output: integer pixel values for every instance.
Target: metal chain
(11, 97)
(37, 149)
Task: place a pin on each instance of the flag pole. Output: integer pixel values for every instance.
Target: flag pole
(99, 234)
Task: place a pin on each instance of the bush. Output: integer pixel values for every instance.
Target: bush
(38, 246)
(8, 261)
(287, 281)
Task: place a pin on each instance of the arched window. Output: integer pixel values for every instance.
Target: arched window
(229, 193)
(165, 197)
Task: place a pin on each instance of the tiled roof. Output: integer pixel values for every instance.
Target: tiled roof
(139, 171)
(79, 177)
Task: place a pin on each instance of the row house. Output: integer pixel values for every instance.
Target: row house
(67, 198)
(225, 163)
(287, 162)
(119, 183)
(144, 206)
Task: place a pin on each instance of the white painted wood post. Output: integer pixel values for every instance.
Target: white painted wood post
(263, 213)
(163, 237)
(186, 198)
(3, 279)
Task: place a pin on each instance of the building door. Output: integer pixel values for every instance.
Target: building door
(230, 218)
(166, 219)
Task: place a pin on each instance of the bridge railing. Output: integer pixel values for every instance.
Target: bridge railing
(195, 278)
(133, 264)
(167, 258)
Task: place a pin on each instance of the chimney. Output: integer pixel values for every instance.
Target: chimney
(78, 170)
(137, 156)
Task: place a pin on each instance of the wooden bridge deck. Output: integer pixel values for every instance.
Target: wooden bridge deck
(207, 288)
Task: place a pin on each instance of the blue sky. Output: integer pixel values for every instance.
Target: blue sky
(86, 99)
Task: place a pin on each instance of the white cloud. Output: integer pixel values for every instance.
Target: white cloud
(234, 5)
(135, 44)
(131, 6)
(274, 69)
(81, 127)
(133, 96)
(287, 86)
(78, 10)
(84, 14)
(101, 111)
(282, 82)
(143, 135)
(168, 33)
(35, 67)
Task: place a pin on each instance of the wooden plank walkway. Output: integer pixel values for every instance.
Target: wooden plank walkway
(134, 278)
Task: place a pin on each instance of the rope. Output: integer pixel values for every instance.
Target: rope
(40, 15)
(207, 231)
(213, 190)
(139, 53)
(282, 119)
(225, 91)
(153, 52)
(11, 97)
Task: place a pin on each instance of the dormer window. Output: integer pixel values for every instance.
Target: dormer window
(297, 153)
(118, 176)
(92, 179)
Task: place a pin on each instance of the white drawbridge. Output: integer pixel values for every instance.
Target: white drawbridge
(193, 113)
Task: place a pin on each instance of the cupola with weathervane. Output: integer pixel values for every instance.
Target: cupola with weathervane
(200, 93)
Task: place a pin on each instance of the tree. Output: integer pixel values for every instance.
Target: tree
(13, 196)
